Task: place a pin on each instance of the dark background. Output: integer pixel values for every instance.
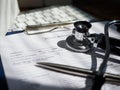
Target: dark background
(106, 9)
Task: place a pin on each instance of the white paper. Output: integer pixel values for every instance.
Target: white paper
(21, 52)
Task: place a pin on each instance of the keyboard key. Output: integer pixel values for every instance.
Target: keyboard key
(21, 25)
(31, 22)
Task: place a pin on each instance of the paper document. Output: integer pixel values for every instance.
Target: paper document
(21, 52)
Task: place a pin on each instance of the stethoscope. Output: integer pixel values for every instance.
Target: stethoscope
(82, 41)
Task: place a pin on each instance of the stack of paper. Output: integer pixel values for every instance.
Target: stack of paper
(21, 52)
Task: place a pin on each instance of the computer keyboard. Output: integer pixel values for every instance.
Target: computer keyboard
(50, 15)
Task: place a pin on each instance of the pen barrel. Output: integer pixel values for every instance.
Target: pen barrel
(67, 69)
(81, 72)
(112, 78)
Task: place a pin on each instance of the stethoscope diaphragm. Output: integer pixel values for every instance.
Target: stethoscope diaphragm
(78, 46)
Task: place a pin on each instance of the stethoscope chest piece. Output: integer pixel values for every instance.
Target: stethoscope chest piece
(78, 41)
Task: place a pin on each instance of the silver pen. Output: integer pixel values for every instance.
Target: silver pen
(71, 70)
